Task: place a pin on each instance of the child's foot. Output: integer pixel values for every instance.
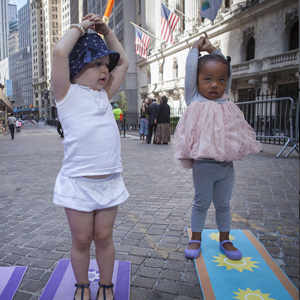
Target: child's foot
(194, 244)
(229, 246)
(193, 249)
(230, 251)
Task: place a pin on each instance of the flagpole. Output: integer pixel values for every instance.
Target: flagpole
(177, 11)
(145, 31)
(108, 10)
(107, 13)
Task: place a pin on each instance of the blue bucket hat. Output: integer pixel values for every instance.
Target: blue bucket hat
(88, 48)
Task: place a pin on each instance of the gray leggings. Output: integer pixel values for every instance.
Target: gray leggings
(212, 179)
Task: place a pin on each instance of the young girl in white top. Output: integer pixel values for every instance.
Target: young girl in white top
(209, 136)
(86, 74)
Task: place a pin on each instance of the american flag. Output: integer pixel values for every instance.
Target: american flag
(141, 43)
(168, 23)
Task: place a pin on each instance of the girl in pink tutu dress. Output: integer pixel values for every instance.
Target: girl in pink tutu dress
(210, 135)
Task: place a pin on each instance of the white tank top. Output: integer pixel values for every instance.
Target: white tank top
(91, 136)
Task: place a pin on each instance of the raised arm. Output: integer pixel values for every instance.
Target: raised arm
(191, 75)
(60, 77)
(118, 74)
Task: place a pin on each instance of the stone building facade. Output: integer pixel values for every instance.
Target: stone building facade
(261, 36)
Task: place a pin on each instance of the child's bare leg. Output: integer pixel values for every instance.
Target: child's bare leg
(195, 236)
(81, 226)
(228, 246)
(105, 249)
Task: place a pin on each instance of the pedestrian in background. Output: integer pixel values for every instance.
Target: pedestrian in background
(11, 121)
(163, 122)
(144, 120)
(87, 72)
(118, 116)
(210, 135)
(18, 125)
(152, 112)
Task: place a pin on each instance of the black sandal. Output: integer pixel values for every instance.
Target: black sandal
(105, 287)
(82, 286)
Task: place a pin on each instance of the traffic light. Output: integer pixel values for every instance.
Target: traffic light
(46, 94)
(31, 105)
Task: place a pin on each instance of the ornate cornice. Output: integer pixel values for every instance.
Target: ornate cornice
(291, 15)
(248, 32)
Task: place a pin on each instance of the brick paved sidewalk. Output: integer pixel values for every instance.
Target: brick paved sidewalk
(150, 229)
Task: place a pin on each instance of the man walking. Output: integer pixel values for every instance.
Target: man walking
(118, 116)
(11, 124)
(152, 111)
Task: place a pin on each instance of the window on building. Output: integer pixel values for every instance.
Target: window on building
(119, 16)
(148, 75)
(227, 3)
(294, 37)
(175, 69)
(250, 50)
(160, 70)
(246, 95)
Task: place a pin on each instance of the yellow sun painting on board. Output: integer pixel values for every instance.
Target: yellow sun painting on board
(251, 295)
(215, 236)
(243, 264)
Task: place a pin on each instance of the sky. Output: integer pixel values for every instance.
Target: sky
(19, 3)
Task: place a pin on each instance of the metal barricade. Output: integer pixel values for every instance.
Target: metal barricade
(296, 136)
(273, 121)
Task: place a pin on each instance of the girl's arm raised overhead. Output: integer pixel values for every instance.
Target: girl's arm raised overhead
(191, 72)
(60, 77)
(191, 76)
(118, 74)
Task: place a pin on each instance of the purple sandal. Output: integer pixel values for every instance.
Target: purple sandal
(233, 255)
(192, 253)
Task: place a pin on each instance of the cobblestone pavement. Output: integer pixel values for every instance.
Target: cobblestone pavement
(150, 230)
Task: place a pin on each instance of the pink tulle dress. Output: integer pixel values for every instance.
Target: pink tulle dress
(210, 129)
(215, 131)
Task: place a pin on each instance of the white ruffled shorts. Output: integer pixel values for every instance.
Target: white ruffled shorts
(84, 194)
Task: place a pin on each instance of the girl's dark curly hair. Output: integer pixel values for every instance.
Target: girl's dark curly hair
(218, 58)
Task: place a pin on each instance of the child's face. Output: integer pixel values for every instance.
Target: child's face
(94, 74)
(212, 80)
